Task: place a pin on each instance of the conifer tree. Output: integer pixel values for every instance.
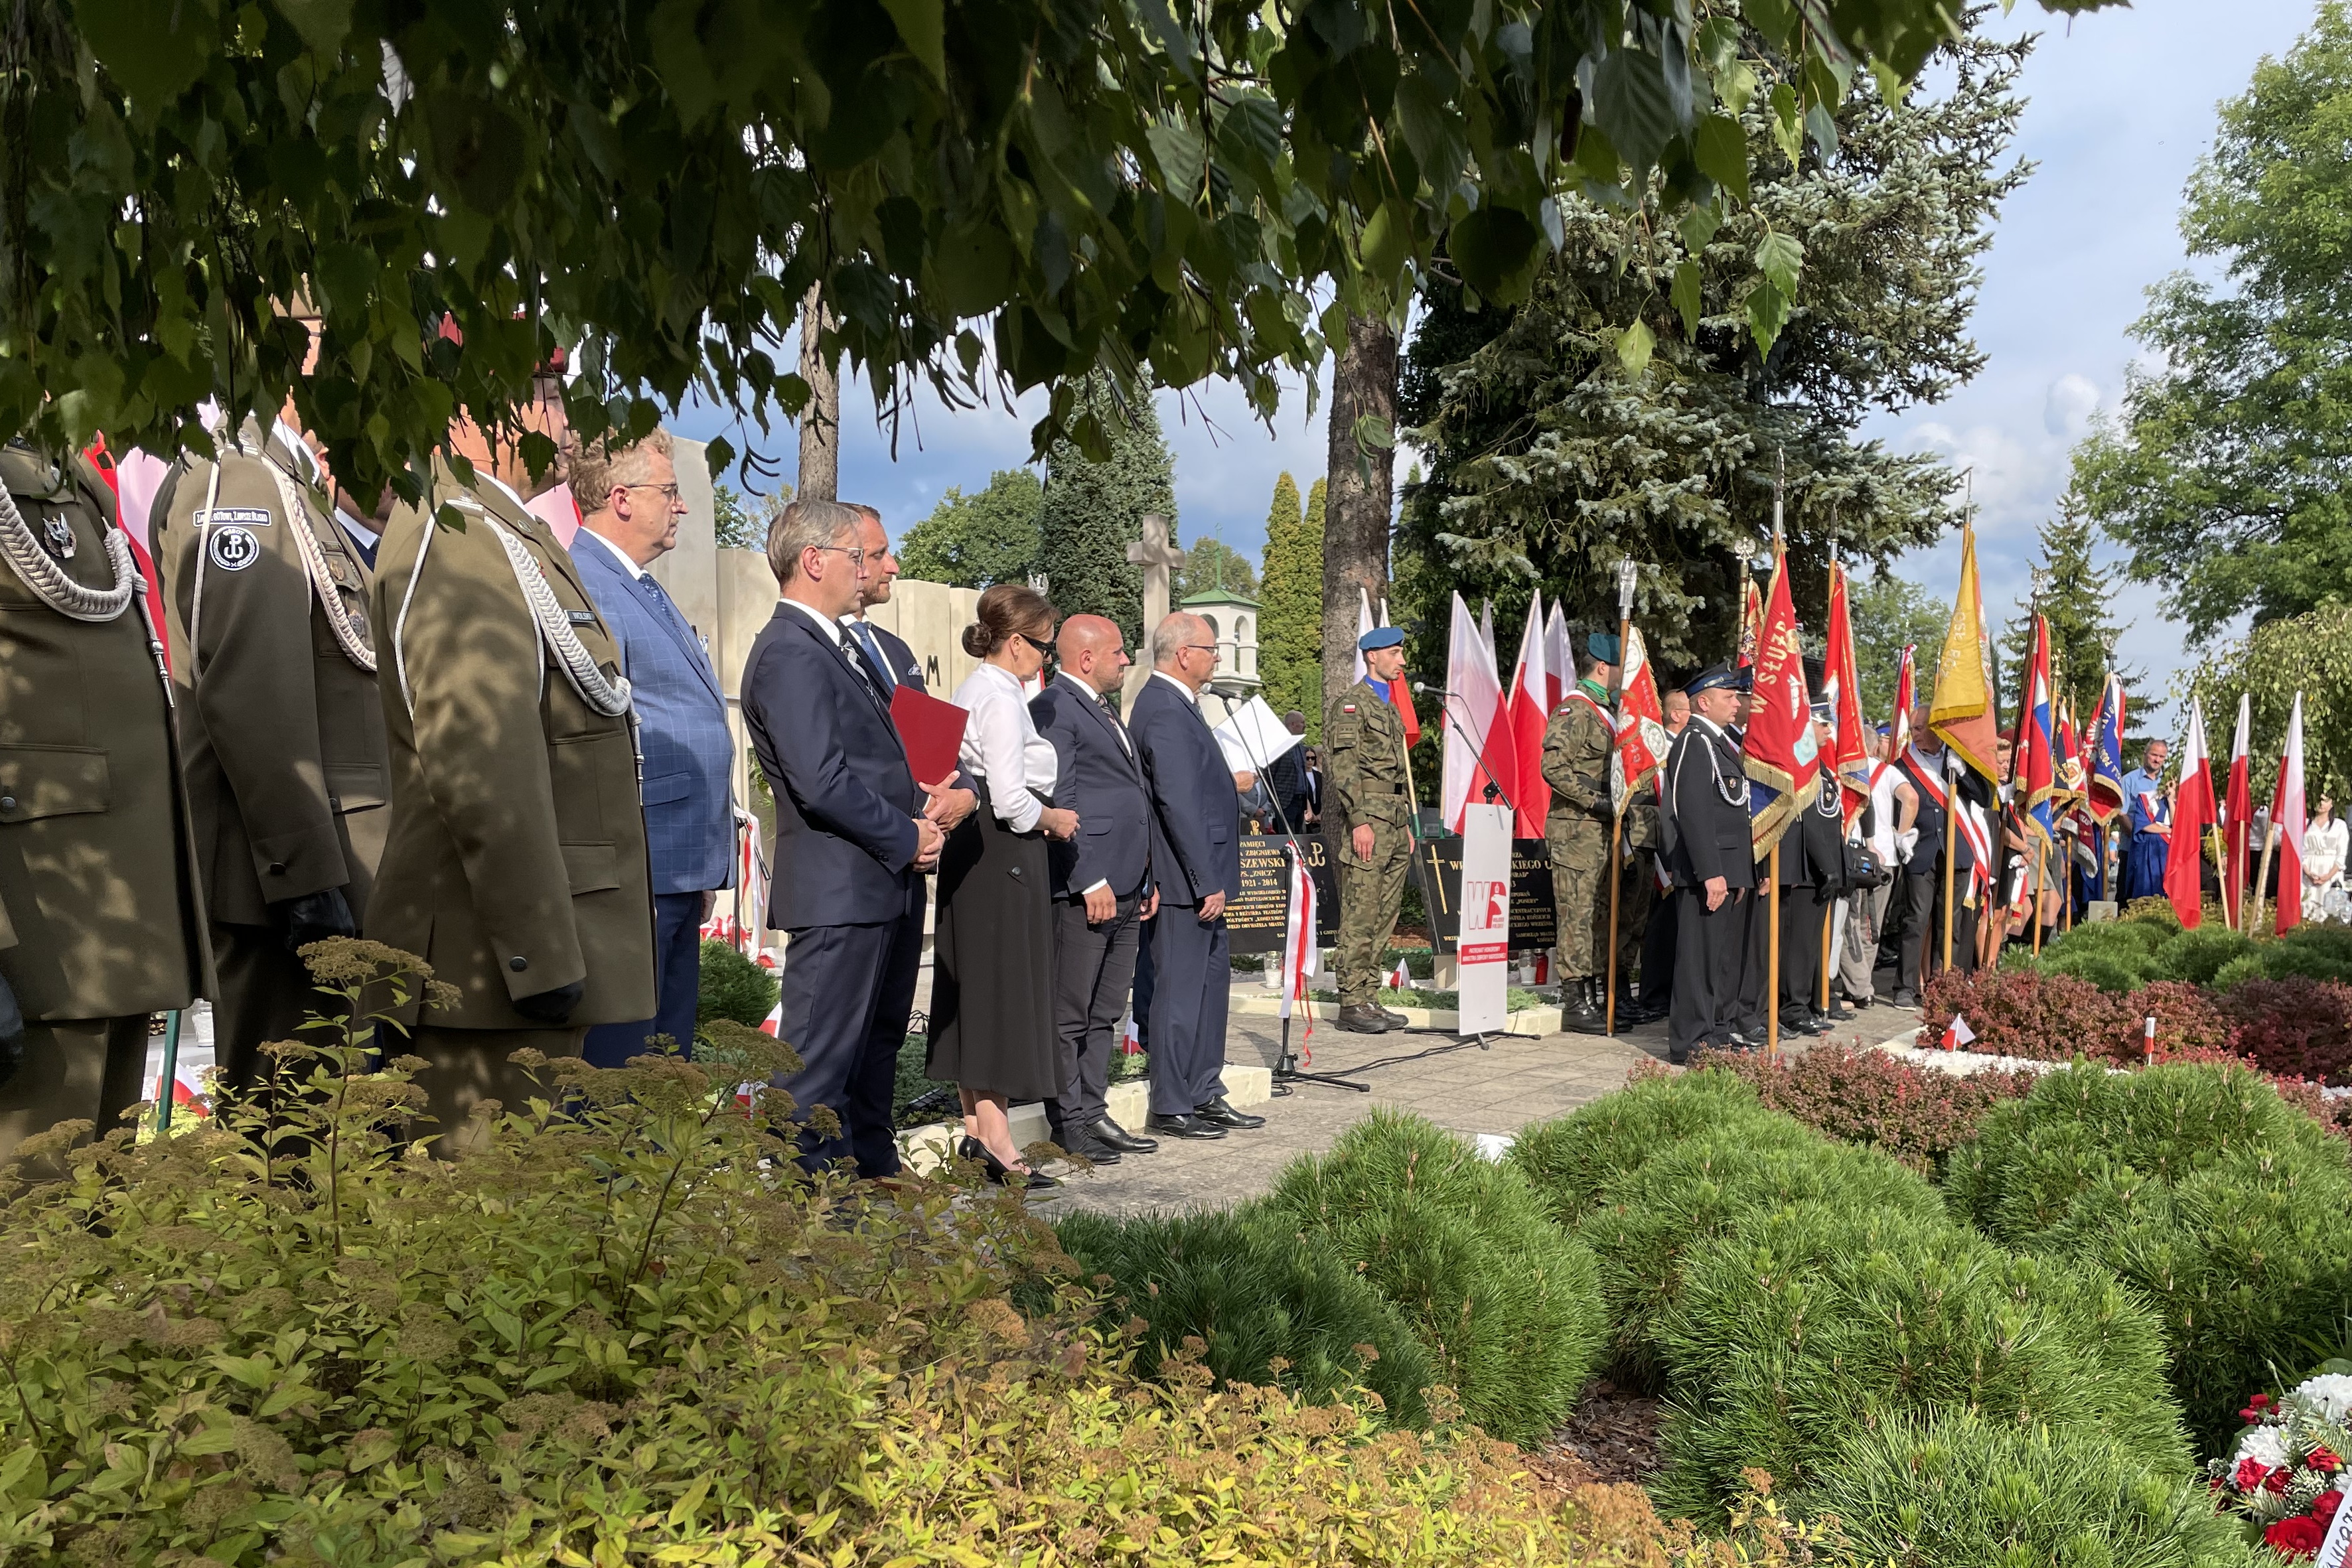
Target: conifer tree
(2076, 595)
(1092, 511)
(1290, 607)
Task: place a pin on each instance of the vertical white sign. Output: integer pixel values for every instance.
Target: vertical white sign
(1482, 952)
(2335, 1550)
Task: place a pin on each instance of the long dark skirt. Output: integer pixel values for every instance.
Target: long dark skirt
(992, 963)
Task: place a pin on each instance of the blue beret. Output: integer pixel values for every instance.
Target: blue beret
(1602, 646)
(1380, 637)
(1712, 678)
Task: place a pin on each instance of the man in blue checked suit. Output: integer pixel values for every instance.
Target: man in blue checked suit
(629, 513)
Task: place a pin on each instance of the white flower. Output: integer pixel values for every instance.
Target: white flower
(2264, 1446)
(2331, 1393)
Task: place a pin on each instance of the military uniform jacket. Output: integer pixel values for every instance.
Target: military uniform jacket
(100, 916)
(1705, 797)
(1363, 762)
(1578, 739)
(281, 731)
(516, 861)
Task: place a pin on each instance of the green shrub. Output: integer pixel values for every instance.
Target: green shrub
(2113, 973)
(2307, 952)
(1573, 1160)
(2196, 955)
(1800, 1324)
(734, 987)
(1955, 1490)
(1242, 1285)
(2218, 1204)
(2154, 909)
(1705, 1187)
(1507, 1304)
(2238, 971)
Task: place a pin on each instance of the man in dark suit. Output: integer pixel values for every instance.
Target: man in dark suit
(1812, 873)
(1102, 880)
(853, 838)
(888, 657)
(1196, 861)
(1710, 855)
(629, 498)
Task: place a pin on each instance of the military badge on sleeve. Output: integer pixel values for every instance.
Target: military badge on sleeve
(58, 537)
(234, 548)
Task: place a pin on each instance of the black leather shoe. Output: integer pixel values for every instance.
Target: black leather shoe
(1220, 1112)
(1907, 1000)
(1362, 1018)
(1801, 1023)
(1182, 1127)
(1004, 1174)
(1113, 1137)
(1396, 1020)
(1092, 1150)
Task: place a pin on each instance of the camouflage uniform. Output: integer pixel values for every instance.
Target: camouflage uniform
(1364, 782)
(1577, 743)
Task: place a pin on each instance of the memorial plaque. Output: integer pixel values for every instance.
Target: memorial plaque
(1254, 918)
(1535, 919)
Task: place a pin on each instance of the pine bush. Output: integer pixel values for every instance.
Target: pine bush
(734, 987)
(1706, 1187)
(2198, 955)
(2218, 1203)
(1266, 1309)
(1799, 1324)
(1573, 1161)
(1955, 1488)
(1507, 1304)
(2113, 973)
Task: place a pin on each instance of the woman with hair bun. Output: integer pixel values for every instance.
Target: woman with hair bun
(993, 954)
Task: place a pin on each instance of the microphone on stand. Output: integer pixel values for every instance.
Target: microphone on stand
(1494, 788)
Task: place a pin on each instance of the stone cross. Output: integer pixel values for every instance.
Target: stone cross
(1157, 557)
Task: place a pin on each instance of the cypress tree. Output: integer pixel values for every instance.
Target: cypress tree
(1092, 511)
(1290, 607)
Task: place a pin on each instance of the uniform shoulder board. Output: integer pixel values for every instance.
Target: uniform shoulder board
(243, 517)
(584, 617)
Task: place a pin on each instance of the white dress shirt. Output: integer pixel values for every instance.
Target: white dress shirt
(1001, 744)
(832, 627)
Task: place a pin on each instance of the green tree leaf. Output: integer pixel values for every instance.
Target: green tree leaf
(1635, 345)
(1720, 149)
(1780, 258)
(1496, 249)
(922, 27)
(1688, 281)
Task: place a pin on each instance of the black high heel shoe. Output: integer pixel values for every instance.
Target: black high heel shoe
(1002, 1174)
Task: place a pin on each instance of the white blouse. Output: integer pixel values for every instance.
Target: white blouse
(1000, 744)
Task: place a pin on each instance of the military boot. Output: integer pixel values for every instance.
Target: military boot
(1580, 1007)
(1363, 1017)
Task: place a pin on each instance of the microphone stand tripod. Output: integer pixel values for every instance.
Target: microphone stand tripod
(1287, 1071)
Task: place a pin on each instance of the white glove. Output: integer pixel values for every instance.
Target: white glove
(1904, 843)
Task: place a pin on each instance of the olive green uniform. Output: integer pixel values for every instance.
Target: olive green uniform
(282, 732)
(1577, 743)
(516, 861)
(100, 921)
(1364, 783)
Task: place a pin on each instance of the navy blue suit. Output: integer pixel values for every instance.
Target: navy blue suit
(1195, 852)
(687, 756)
(846, 885)
(898, 666)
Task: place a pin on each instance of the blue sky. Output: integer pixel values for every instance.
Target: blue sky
(2120, 107)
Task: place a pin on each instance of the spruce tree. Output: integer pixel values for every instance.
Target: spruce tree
(1092, 511)
(2076, 595)
(1290, 608)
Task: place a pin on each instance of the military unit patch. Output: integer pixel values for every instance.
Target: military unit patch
(234, 548)
(247, 516)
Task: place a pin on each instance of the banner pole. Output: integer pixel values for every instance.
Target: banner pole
(1616, 840)
(2262, 879)
(2221, 867)
(1628, 575)
(1951, 852)
(2034, 913)
(1772, 965)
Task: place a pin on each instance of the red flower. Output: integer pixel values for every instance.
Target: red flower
(2298, 1537)
(2251, 1472)
(2324, 1461)
(2253, 1412)
(2323, 1507)
(2277, 1480)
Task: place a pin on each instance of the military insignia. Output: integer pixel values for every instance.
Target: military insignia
(58, 537)
(583, 617)
(241, 517)
(1347, 707)
(234, 548)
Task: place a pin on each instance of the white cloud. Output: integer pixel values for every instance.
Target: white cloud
(2067, 411)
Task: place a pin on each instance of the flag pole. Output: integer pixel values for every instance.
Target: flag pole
(1626, 576)
(1951, 849)
(2262, 879)
(1772, 935)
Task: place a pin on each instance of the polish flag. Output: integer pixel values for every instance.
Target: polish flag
(1530, 708)
(1400, 977)
(2238, 817)
(1364, 625)
(1958, 1034)
(2287, 822)
(1559, 663)
(1479, 749)
(1400, 698)
(2193, 812)
(1130, 1039)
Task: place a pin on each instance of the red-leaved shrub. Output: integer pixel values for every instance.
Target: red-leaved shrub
(2296, 1027)
(2054, 1017)
(2335, 1114)
(1864, 1096)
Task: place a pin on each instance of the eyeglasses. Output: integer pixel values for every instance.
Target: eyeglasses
(856, 556)
(1201, 647)
(670, 492)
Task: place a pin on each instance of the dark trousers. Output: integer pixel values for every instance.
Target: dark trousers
(1923, 929)
(678, 986)
(467, 1069)
(848, 991)
(1755, 960)
(1659, 947)
(265, 992)
(1802, 909)
(1709, 948)
(1093, 966)
(1192, 983)
(74, 1070)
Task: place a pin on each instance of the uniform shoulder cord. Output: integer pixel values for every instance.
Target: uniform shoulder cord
(94, 606)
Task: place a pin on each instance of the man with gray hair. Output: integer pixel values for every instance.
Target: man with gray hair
(1196, 864)
(630, 506)
(854, 835)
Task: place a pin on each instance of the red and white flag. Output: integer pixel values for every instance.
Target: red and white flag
(1958, 1034)
(2287, 821)
(1479, 749)
(1559, 660)
(1906, 693)
(1779, 751)
(1130, 1039)
(1299, 955)
(1400, 977)
(2238, 817)
(1364, 625)
(1849, 756)
(2194, 812)
(1642, 738)
(1530, 708)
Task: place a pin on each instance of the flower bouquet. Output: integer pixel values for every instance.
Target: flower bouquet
(2286, 1474)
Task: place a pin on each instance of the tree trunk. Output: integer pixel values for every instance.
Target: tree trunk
(820, 479)
(1358, 506)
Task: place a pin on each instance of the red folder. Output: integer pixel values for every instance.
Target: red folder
(932, 732)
